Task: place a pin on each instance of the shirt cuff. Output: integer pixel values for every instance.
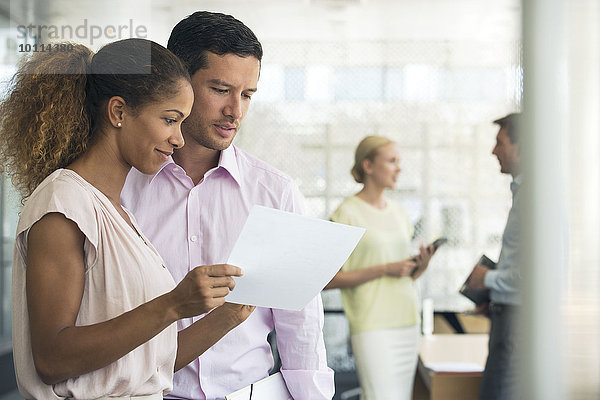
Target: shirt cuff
(490, 279)
(309, 384)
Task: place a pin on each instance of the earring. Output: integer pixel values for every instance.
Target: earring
(118, 124)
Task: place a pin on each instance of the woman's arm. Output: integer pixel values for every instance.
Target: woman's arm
(349, 279)
(200, 336)
(55, 283)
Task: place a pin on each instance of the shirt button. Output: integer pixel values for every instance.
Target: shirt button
(176, 169)
(193, 238)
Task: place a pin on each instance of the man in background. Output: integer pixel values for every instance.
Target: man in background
(500, 374)
(194, 208)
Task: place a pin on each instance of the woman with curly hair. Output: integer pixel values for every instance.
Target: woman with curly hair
(94, 308)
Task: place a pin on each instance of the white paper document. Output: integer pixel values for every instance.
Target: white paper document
(288, 258)
(271, 388)
(454, 367)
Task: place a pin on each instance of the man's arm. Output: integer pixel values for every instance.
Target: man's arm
(504, 281)
(506, 277)
(302, 351)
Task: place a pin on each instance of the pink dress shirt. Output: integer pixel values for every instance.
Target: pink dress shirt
(198, 225)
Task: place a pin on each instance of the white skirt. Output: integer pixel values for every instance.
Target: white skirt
(386, 361)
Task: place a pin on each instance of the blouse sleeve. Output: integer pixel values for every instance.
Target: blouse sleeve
(68, 198)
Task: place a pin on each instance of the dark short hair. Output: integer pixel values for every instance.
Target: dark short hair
(512, 124)
(218, 33)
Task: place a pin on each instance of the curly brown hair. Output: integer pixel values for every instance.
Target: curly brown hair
(56, 102)
(42, 128)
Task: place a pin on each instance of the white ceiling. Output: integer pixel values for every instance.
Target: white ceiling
(497, 20)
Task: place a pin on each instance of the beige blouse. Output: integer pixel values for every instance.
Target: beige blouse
(387, 302)
(122, 271)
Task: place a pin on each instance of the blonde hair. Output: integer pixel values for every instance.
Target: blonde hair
(366, 150)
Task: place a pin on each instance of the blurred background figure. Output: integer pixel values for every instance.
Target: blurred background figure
(378, 294)
(500, 373)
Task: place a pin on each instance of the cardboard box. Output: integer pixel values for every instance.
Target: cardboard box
(451, 365)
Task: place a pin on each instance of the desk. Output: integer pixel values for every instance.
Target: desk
(451, 365)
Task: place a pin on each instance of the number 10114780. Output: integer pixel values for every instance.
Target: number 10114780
(44, 47)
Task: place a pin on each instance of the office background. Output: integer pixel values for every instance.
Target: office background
(432, 75)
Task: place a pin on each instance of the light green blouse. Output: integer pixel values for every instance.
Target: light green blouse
(385, 302)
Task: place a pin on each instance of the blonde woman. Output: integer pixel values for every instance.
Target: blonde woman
(378, 294)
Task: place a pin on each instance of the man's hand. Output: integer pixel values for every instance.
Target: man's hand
(483, 309)
(477, 277)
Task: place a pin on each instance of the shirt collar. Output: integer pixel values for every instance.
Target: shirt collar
(170, 163)
(227, 161)
(516, 183)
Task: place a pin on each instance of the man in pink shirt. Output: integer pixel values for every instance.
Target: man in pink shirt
(194, 208)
